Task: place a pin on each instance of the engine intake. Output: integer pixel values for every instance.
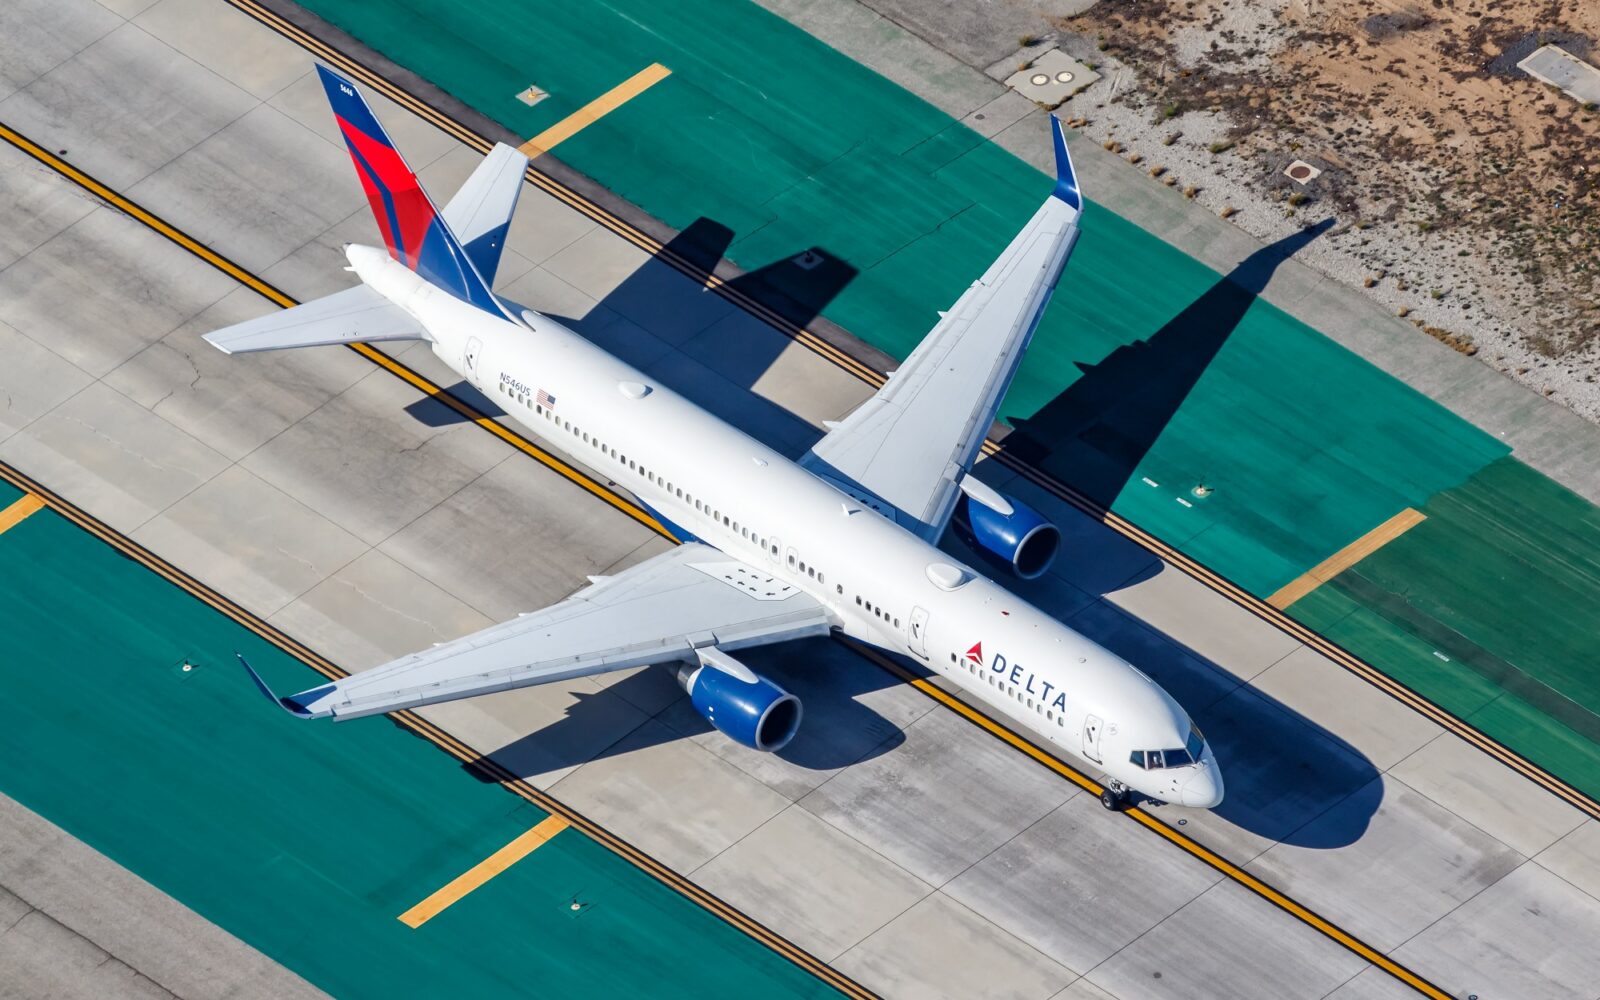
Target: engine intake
(1020, 537)
(743, 705)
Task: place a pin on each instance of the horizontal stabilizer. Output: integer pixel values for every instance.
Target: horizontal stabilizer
(480, 213)
(355, 315)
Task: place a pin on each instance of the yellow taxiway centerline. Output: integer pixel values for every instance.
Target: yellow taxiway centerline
(596, 109)
(1346, 557)
(483, 871)
(19, 511)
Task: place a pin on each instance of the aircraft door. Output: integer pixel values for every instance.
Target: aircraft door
(916, 632)
(469, 360)
(1091, 738)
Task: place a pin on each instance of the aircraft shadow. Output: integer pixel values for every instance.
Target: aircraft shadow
(838, 728)
(1288, 779)
(660, 299)
(673, 310)
(432, 411)
(1096, 432)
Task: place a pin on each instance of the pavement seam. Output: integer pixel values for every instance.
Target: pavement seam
(1432, 801)
(1450, 912)
(129, 24)
(75, 53)
(110, 956)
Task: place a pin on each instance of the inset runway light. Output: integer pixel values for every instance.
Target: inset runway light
(1063, 77)
(1040, 79)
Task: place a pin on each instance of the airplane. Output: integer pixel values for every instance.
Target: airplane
(844, 539)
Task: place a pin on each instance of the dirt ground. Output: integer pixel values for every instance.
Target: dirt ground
(1466, 191)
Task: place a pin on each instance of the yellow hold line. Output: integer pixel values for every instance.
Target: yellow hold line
(482, 872)
(596, 109)
(19, 511)
(1346, 557)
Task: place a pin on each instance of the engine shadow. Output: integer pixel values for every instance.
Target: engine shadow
(1095, 434)
(839, 726)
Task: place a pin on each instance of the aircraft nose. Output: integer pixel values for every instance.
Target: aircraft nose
(1204, 790)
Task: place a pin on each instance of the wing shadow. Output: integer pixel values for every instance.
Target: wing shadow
(840, 727)
(1097, 431)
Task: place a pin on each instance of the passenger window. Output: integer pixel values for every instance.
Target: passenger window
(858, 600)
(791, 559)
(840, 587)
(897, 623)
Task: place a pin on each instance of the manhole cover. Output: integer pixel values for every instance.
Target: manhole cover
(1301, 172)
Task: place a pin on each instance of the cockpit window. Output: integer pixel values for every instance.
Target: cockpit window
(1196, 744)
(1152, 760)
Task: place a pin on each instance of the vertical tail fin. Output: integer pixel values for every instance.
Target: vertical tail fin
(412, 228)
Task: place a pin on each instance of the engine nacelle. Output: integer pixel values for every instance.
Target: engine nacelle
(1020, 537)
(743, 705)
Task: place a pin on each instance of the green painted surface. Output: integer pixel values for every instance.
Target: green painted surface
(309, 840)
(1503, 579)
(790, 144)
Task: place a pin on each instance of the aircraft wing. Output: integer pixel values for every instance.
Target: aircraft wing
(354, 315)
(910, 445)
(659, 611)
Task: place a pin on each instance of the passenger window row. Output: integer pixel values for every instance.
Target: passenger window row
(876, 609)
(1038, 708)
(688, 498)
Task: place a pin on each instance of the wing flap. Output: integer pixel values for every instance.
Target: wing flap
(659, 611)
(355, 315)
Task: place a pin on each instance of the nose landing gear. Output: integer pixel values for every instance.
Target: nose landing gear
(1114, 796)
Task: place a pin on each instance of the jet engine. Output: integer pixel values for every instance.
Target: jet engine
(743, 705)
(1007, 530)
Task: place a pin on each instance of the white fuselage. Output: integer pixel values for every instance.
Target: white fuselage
(881, 584)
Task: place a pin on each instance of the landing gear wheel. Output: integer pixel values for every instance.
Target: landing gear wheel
(1113, 800)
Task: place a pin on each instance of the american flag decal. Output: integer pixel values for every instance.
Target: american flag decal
(546, 400)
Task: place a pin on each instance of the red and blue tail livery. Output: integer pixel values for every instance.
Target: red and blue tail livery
(412, 228)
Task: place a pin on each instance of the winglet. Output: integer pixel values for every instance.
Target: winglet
(286, 704)
(1066, 177)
